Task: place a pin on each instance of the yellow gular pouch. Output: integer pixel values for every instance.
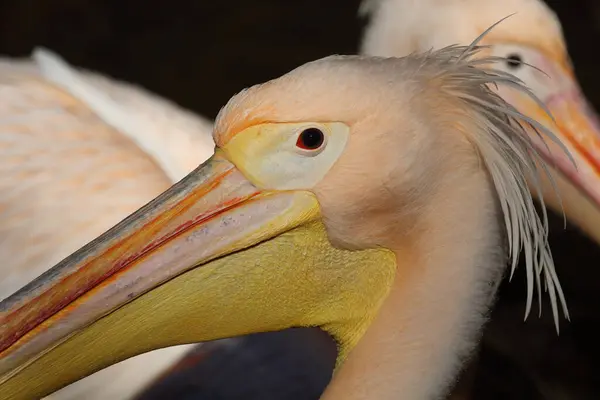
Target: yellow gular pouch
(269, 155)
(296, 279)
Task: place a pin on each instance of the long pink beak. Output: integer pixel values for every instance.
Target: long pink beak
(576, 125)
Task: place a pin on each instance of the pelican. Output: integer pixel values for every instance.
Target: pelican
(532, 36)
(379, 199)
(80, 152)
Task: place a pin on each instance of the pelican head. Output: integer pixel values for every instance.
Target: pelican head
(370, 197)
(532, 45)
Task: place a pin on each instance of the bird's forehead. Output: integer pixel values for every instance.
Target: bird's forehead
(259, 104)
(254, 106)
(237, 117)
(349, 89)
(314, 92)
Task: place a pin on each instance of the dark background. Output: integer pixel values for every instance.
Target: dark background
(199, 53)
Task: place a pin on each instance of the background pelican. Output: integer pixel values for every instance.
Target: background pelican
(532, 35)
(399, 27)
(281, 152)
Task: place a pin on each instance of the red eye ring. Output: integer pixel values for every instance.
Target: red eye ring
(310, 139)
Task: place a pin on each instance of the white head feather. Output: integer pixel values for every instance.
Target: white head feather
(398, 27)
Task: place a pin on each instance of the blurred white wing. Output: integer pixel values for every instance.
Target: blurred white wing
(78, 153)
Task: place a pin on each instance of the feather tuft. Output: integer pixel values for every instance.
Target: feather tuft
(509, 155)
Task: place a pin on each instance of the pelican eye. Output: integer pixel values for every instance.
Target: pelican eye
(310, 139)
(514, 61)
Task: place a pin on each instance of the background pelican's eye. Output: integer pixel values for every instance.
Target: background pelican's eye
(310, 139)
(514, 61)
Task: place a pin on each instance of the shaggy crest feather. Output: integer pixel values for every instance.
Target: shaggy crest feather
(509, 155)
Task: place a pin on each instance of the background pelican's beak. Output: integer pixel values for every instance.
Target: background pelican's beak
(173, 273)
(577, 127)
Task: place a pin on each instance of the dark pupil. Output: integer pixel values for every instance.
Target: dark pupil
(312, 138)
(514, 61)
